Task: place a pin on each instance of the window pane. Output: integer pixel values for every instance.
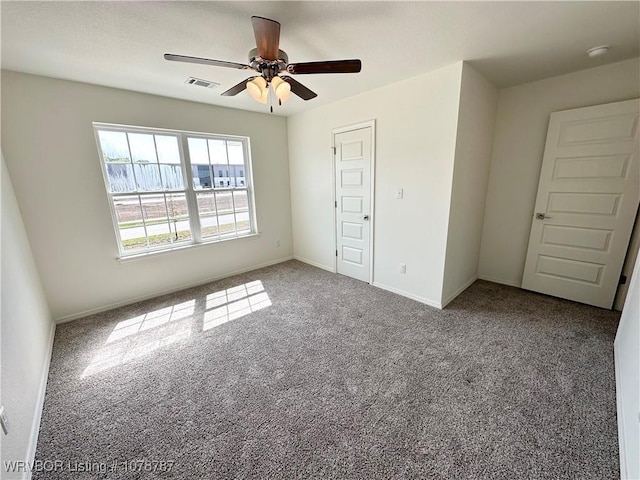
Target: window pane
(217, 152)
(120, 177)
(168, 151)
(226, 218)
(147, 177)
(178, 217)
(201, 175)
(130, 223)
(236, 153)
(198, 151)
(224, 202)
(143, 149)
(172, 177)
(114, 146)
(177, 206)
(236, 177)
(241, 201)
(154, 210)
(164, 219)
(208, 218)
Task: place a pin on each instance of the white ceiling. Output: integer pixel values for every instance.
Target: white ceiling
(121, 44)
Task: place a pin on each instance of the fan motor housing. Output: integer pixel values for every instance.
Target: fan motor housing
(268, 66)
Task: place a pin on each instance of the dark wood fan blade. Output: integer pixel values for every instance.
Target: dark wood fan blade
(236, 89)
(205, 61)
(267, 33)
(331, 66)
(299, 89)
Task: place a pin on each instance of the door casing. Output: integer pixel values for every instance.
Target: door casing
(372, 217)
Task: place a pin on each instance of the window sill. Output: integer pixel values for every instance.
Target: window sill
(165, 251)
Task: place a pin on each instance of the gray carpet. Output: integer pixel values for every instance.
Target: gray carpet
(294, 372)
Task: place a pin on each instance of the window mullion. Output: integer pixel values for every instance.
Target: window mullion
(144, 221)
(235, 216)
(192, 202)
(228, 171)
(233, 200)
(166, 209)
(155, 151)
(212, 173)
(133, 165)
(215, 204)
(164, 195)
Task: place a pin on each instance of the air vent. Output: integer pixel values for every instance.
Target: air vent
(199, 82)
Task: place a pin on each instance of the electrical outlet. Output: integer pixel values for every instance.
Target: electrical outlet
(403, 268)
(4, 420)
(277, 243)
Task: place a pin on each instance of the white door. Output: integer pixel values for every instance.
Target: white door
(353, 158)
(587, 201)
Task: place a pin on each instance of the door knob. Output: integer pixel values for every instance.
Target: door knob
(541, 216)
(366, 217)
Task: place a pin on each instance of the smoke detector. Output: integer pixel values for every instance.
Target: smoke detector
(598, 51)
(199, 82)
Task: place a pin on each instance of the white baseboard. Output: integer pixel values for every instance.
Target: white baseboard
(417, 298)
(104, 308)
(500, 281)
(466, 285)
(315, 264)
(37, 415)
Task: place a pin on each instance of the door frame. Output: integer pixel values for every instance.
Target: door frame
(372, 216)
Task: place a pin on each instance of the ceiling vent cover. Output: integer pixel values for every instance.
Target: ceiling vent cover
(199, 82)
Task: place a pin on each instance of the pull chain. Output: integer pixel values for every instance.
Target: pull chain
(270, 97)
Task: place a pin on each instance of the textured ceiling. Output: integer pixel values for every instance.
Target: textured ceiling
(120, 44)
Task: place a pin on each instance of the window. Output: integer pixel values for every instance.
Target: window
(153, 207)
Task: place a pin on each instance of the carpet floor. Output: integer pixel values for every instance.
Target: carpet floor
(293, 372)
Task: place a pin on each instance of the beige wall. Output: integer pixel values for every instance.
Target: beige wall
(416, 122)
(476, 121)
(27, 334)
(50, 150)
(521, 128)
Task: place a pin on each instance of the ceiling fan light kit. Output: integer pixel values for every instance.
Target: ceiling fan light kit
(258, 89)
(281, 89)
(269, 61)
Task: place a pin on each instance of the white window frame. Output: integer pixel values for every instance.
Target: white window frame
(189, 191)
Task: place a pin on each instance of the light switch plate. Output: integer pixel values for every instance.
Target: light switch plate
(400, 193)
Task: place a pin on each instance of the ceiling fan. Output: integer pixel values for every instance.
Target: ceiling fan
(269, 61)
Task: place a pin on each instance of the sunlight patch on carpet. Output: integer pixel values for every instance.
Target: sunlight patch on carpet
(152, 320)
(123, 352)
(234, 303)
